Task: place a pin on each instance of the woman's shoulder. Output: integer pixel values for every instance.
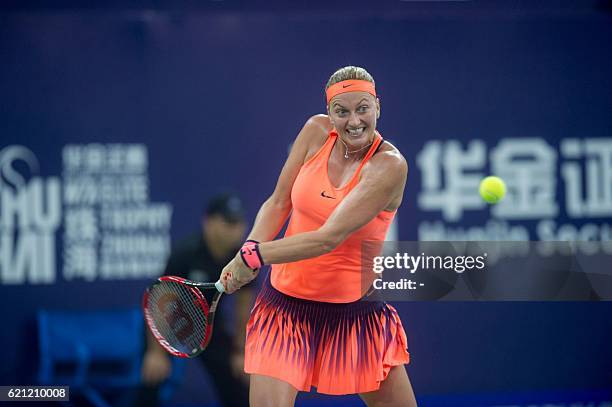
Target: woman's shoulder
(389, 152)
(314, 134)
(387, 159)
(318, 126)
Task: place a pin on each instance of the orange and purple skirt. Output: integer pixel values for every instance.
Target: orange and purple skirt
(337, 348)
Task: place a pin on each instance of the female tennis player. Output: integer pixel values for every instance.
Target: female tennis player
(310, 325)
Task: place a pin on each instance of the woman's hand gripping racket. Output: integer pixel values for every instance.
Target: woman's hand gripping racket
(178, 314)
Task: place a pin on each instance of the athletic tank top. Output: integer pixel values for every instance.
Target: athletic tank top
(336, 276)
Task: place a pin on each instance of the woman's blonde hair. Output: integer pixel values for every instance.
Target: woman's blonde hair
(349, 72)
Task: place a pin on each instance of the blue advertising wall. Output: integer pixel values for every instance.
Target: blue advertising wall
(103, 112)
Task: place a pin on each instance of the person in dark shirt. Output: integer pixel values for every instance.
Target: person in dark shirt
(201, 257)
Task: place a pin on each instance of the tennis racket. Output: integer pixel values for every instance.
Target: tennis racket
(178, 314)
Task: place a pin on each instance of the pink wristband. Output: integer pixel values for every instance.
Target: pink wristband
(250, 255)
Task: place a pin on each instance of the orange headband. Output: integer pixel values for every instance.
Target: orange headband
(351, 85)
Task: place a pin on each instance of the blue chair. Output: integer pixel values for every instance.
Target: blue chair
(91, 351)
(96, 353)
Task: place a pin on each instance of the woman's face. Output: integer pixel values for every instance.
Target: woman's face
(354, 116)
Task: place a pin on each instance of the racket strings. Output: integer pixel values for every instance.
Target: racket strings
(178, 316)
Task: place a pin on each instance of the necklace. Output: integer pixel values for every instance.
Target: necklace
(347, 152)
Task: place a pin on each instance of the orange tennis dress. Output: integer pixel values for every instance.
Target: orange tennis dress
(311, 325)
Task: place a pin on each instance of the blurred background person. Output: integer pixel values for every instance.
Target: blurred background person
(201, 257)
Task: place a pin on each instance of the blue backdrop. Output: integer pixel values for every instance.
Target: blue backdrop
(196, 99)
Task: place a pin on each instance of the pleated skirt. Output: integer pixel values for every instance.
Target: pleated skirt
(337, 348)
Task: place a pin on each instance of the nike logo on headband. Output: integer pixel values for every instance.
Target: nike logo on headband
(346, 86)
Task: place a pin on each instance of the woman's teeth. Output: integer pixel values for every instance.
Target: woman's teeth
(356, 132)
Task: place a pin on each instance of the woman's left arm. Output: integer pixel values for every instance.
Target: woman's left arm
(381, 187)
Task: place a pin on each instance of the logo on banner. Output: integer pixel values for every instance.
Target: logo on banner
(30, 214)
(554, 192)
(101, 202)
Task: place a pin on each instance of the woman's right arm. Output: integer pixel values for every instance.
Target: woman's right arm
(276, 209)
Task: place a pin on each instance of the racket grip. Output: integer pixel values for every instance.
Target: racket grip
(219, 286)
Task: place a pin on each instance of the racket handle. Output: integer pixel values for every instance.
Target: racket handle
(219, 286)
